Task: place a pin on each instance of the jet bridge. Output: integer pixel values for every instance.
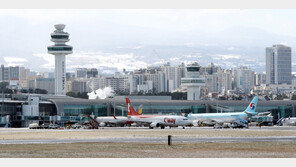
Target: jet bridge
(221, 108)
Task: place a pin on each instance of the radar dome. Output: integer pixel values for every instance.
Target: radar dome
(59, 26)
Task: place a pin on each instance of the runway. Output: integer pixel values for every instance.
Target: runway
(146, 135)
(154, 140)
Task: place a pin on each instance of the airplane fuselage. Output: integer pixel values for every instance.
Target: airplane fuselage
(112, 120)
(218, 117)
(165, 120)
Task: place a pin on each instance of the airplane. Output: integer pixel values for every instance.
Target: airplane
(156, 120)
(237, 119)
(116, 121)
(112, 121)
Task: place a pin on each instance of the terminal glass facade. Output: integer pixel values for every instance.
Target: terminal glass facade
(76, 110)
(276, 111)
(162, 109)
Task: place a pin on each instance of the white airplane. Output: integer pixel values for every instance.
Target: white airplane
(156, 120)
(235, 118)
(112, 121)
(116, 121)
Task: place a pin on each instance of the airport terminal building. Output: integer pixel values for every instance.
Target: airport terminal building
(21, 110)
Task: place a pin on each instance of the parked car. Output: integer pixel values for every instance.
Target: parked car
(44, 126)
(218, 126)
(76, 126)
(34, 126)
(53, 126)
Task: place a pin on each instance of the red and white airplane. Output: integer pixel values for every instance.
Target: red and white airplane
(156, 120)
(116, 120)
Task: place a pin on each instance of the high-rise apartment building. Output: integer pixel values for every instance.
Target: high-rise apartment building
(92, 73)
(46, 84)
(76, 86)
(278, 64)
(80, 73)
(4, 73)
(244, 79)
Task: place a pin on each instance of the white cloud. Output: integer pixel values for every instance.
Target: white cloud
(97, 60)
(158, 63)
(226, 56)
(15, 61)
(192, 56)
(189, 44)
(126, 47)
(48, 58)
(230, 48)
(174, 59)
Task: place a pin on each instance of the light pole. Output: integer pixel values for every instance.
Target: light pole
(2, 106)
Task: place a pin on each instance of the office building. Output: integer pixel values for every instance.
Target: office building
(278, 64)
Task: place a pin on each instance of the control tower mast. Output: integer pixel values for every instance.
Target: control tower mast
(60, 50)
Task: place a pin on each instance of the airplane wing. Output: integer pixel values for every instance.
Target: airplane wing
(199, 121)
(241, 122)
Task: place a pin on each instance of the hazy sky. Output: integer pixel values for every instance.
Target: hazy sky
(116, 39)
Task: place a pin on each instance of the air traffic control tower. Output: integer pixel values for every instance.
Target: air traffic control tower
(60, 50)
(192, 81)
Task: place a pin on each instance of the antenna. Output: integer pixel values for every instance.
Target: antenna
(163, 62)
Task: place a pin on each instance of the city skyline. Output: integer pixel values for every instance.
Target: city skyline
(111, 40)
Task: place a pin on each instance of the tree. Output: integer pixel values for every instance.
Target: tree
(71, 94)
(179, 96)
(82, 95)
(140, 93)
(3, 85)
(279, 97)
(24, 91)
(40, 91)
(266, 98)
(222, 98)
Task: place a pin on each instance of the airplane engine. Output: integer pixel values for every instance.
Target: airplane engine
(102, 124)
(196, 123)
(154, 124)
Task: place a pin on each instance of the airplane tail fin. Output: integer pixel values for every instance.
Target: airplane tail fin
(130, 108)
(251, 109)
(140, 108)
(114, 116)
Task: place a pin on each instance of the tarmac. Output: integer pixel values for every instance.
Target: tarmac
(153, 139)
